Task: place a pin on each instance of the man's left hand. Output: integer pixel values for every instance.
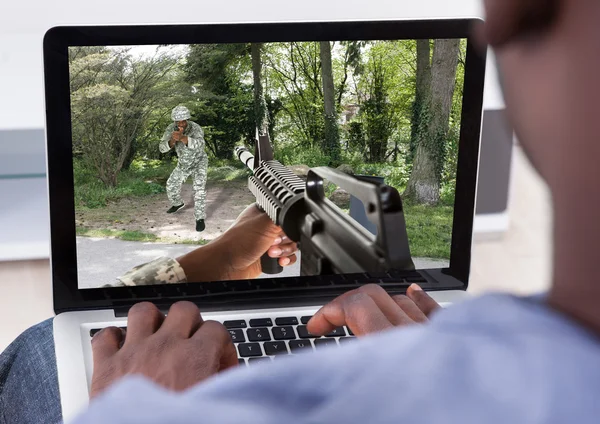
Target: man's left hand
(176, 352)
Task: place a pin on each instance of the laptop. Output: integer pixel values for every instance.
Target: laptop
(107, 175)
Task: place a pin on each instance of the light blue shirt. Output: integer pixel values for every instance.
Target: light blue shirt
(496, 359)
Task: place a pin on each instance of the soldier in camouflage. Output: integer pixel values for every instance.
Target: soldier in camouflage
(187, 138)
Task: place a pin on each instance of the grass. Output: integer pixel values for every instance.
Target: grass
(429, 230)
(144, 178)
(134, 236)
(120, 234)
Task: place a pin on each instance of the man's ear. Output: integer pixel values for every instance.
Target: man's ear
(508, 20)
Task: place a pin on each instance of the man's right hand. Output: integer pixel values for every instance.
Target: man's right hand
(370, 309)
(176, 352)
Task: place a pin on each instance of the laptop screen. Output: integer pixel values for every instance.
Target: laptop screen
(154, 129)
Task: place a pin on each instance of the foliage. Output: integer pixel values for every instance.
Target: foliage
(113, 97)
(143, 179)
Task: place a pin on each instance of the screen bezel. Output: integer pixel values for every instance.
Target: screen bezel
(67, 296)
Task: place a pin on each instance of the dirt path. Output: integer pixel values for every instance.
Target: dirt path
(225, 200)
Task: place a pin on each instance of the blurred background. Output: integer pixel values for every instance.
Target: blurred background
(511, 251)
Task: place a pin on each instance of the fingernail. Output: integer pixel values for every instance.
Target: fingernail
(415, 287)
(276, 252)
(285, 261)
(277, 241)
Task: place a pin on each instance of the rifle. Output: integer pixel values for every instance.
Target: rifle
(330, 241)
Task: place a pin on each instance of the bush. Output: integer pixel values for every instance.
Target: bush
(291, 154)
(145, 177)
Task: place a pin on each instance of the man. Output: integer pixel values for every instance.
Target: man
(496, 359)
(187, 138)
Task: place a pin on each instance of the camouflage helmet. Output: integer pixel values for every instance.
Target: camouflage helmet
(180, 113)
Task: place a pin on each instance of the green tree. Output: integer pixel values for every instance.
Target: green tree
(331, 141)
(425, 180)
(225, 104)
(113, 95)
(261, 113)
(422, 89)
(294, 72)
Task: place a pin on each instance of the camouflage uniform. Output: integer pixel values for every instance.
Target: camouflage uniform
(160, 271)
(192, 160)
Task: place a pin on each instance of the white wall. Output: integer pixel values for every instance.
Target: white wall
(23, 24)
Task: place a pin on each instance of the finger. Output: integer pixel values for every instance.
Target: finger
(290, 260)
(106, 343)
(423, 301)
(357, 316)
(217, 335)
(282, 250)
(143, 320)
(183, 320)
(410, 308)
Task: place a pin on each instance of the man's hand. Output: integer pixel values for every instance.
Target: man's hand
(176, 352)
(236, 254)
(370, 309)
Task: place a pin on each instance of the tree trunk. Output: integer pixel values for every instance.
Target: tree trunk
(422, 91)
(260, 105)
(331, 145)
(424, 183)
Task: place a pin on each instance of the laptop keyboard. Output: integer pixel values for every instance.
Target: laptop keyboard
(262, 339)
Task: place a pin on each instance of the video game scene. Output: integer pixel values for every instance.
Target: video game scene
(155, 130)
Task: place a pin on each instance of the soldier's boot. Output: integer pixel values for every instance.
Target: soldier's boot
(174, 209)
(200, 226)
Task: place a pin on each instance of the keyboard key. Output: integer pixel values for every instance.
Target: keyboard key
(240, 323)
(261, 322)
(344, 340)
(237, 336)
(283, 333)
(303, 332)
(257, 360)
(300, 345)
(337, 332)
(258, 334)
(249, 349)
(319, 343)
(304, 320)
(275, 348)
(349, 331)
(286, 321)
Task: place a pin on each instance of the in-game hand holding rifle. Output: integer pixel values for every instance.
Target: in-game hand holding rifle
(178, 136)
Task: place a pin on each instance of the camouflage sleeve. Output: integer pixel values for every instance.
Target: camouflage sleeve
(164, 143)
(196, 138)
(160, 271)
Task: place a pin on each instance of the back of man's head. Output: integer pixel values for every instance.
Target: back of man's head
(548, 55)
(549, 62)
